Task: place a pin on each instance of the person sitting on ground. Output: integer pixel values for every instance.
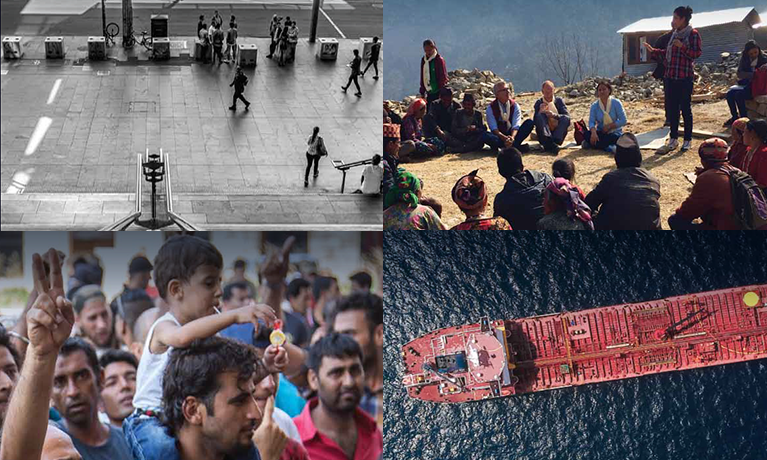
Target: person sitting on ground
(119, 385)
(565, 208)
(504, 119)
(433, 72)
(738, 148)
(521, 200)
(402, 207)
(755, 161)
(626, 198)
(565, 168)
(438, 120)
(412, 130)
(470, 194)
(711, 196)
(551, 118)
(753, 58)
(469, 131)
(391, 147)
(393, 116)
(605, 120)
(372, 177)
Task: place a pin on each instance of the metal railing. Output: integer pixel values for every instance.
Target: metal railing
(182, 223)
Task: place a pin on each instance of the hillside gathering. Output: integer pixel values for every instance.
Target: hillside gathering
(673, 144)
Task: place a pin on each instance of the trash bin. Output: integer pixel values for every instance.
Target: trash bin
(328, 49)
(54, 47)
(248, 55)
(366, 43)
(199, 50)
(97, 48)
(12, 48)
(159, 27)
(161, 48)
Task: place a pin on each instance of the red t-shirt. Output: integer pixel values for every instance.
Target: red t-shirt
(294, 451)
(321, 447)
(756, 165)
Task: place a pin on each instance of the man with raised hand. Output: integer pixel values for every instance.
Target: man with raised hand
(49, 323)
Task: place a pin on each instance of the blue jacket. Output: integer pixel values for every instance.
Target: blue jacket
(596, 117)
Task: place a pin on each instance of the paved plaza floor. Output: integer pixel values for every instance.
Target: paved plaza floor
(71, 130)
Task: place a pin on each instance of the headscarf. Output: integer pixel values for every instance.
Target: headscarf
(391, 130)
(415, 106)
(404, 189)
(713, 150)
(740, 125)
(470, 192)
(570, 197)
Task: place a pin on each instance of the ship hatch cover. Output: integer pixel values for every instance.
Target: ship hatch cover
(485, 357)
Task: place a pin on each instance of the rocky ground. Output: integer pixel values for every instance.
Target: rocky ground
(643, 102)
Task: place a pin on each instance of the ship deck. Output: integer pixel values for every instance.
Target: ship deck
(594, 345)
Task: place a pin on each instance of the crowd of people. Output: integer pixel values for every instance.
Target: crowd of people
(626, 198)
(216, 43)
(190, 369)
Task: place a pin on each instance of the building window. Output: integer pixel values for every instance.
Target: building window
(637, 54)
(277, 239)
(86, 242)
(12, 255)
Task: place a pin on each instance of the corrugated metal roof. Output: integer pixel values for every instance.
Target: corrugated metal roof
(706, 19)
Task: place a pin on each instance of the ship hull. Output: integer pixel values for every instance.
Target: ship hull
(498, 358)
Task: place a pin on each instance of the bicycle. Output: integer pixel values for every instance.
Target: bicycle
(111, 32)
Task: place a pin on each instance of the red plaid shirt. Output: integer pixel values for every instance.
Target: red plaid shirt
(682, 58)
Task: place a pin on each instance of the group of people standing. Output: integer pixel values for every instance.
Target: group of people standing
(284, 38)
(217, 44)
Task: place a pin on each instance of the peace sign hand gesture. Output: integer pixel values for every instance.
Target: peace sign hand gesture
(276, 266)
(50, 320)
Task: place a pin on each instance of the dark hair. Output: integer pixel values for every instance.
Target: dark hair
(315, 131)
(429, 41)
(202, 16)
(194, 371)
(334, 345)
(74, 344)
(684, 12)
(628, 157)
(369, 303)
(295, 286)
(240, 263)
(389, 140)
(376, 159)
(5, 341)
(605, 83)
(117, 356)
(758, 126)
(375, 39)
(321, 284)
(356, 51)
(362, 278)
(180, 257)
(563, 167)
(509, 162)
(232, 286)
(131, 304)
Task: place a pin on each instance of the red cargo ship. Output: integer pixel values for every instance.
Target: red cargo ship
(493, 359)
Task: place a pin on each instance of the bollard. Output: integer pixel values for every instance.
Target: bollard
(54, 47)
(12, 48)
(161, 48)
(97, 48)
(366, 43)
(328, 49)
(248, 55)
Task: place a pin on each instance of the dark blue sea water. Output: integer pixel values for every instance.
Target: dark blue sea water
(436, 279)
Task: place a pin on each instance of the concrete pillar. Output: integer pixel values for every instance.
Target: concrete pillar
(127, 21)
(315, 18)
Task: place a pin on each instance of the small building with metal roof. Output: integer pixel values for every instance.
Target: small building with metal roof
(721, 31)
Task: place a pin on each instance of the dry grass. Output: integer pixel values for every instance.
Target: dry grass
(439, 174)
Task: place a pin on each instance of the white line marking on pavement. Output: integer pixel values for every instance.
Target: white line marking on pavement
(3, 72)
(54, 91)
(19, 181)
(332, 23)
(37, 136)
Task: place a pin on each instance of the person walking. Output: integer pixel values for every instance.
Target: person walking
(315, 151)
(231, 42)
(355, 64)
(239, 83)
(218, 44)
(375, 53)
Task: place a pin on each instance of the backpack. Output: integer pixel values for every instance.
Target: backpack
(748, 200)
(759, 83)
(580, 131)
